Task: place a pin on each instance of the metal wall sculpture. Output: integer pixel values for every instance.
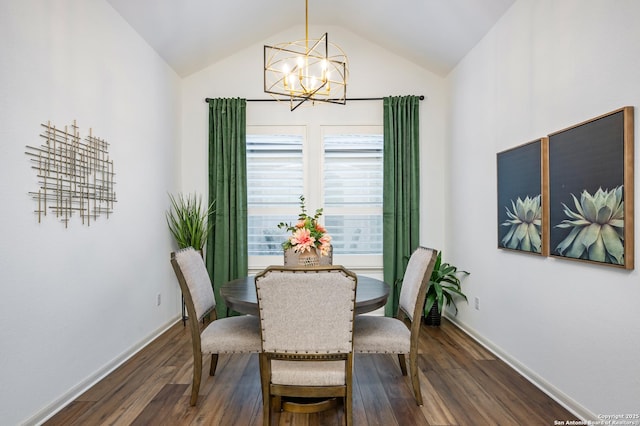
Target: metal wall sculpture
(75, 175)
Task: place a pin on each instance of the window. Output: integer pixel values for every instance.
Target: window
(275, 180)
(342, 174)
(353, 191)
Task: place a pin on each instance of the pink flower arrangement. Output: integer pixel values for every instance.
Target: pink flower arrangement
(307, 233)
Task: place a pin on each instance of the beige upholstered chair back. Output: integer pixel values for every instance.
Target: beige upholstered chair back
(416, 282)
(306, 310)
(192, 276)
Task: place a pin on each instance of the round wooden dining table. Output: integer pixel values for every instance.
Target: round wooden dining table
(240, 295)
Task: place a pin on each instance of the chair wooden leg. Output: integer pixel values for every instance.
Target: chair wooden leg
(214, 364)
(197, 375)
(348, 392)
(348, 408)
(415, 379)
(403, 364)
(266, 411)
(266, 393)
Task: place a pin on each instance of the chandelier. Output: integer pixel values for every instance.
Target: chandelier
(306, 70)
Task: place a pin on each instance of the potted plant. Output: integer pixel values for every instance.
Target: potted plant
(189, 224)
(444, 287)
(188, 220)
(309, 243)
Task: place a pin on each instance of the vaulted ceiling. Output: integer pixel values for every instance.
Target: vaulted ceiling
(192, 34)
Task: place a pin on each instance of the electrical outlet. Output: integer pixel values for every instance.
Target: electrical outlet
(477, 303)
(159, 299)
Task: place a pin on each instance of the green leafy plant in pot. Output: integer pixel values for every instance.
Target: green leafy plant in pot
(188, 220)
(444, 287)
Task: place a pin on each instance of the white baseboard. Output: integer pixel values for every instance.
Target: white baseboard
(47, 412)
(539, 382)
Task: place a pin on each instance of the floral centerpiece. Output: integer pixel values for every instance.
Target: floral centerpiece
(307, 233)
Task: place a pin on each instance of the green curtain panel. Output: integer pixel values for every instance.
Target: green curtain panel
(226, 254)
(401, 190)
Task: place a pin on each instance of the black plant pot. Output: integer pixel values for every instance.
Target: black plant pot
(433, 317)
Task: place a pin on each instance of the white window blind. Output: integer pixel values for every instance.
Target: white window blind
(274, 169)
(275, 179)
(353, 173)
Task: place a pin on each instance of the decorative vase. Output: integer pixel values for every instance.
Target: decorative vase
(433, 317)
(307, 259)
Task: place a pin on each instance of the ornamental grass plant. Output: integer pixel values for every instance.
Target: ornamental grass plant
(188, 220)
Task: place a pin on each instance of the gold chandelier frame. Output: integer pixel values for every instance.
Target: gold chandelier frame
(306, 70)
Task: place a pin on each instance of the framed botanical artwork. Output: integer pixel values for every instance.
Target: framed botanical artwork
(591, 190)
(522, 221)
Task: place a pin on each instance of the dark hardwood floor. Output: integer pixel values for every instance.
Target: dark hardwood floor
(462, 384)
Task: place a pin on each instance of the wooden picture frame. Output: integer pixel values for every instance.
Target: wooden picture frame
(522, 216)
(591, 184)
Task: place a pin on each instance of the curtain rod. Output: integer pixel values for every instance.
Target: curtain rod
(421, 97)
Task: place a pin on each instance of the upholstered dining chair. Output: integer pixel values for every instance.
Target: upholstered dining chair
(239, 334)
(306, 324)
(399, 335)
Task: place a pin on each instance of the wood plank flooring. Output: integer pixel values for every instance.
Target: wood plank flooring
(462, 384)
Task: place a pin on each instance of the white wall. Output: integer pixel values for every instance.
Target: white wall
(76, 301)
(374, 72)
(573, 327)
